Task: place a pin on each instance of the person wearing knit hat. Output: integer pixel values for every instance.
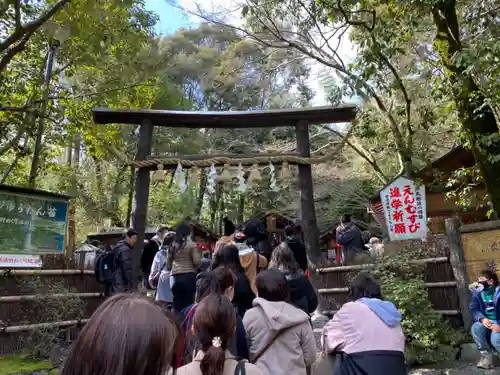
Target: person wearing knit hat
(228, 238)
(229, 227)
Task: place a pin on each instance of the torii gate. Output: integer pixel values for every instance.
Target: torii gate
(300, 118)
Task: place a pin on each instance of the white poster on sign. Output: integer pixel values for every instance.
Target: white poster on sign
(405, 210)
(20, 261)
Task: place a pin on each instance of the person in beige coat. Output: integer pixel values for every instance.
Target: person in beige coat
(183, 260)
(214, 358)
(279, 335)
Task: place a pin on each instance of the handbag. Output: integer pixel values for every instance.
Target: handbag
(156, 277)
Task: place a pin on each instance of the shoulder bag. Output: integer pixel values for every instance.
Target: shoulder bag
(270, 343)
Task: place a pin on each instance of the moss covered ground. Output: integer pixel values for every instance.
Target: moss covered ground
(19, 363)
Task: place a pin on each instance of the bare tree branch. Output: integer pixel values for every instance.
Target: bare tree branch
(284, 40)
(361, 152)
(12, 51)
(11, 143)
(16, 42)
(30, 28)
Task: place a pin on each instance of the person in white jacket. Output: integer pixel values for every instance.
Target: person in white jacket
(160, 274)
(279, 335)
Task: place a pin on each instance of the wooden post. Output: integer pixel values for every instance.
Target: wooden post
(308, 216)
(141, 196)
(307, 208)
(457, 260)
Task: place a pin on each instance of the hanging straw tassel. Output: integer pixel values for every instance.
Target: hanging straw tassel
(159, 175)
(225, 176)
(194, 176)
(254, 175)
(285, 173)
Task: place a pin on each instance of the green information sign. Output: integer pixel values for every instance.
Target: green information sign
(32, 224)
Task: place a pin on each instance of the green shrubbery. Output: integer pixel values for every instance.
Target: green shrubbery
(429, 338)
(39, 343)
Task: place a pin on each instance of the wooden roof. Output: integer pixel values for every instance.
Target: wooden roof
(458, 157)
(27, 191)
(264, 214)
(325, 224)
(228, 119)
(201, 227)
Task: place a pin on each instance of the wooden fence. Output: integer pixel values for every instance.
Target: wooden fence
(439, 280)
(58, 295)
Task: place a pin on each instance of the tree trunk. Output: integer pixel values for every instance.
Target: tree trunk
(201, 194)
(477, 118)
(214, 204)
(114, 203)
(76, 152)
(222, 208)
(35, 164)
(130, 200)
(241, 208)
(71, 237)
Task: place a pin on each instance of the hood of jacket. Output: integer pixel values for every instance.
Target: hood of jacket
(246, 254)
(243, 249)
(279, 315)
(385, 310)
(289, 276)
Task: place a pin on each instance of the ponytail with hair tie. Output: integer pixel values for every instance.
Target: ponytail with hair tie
(216, 342)
(213, 336)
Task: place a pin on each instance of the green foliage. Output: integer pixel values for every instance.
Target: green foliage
(22, 363)
(428, 337)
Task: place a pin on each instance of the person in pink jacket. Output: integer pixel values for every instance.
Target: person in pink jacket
(366, 332)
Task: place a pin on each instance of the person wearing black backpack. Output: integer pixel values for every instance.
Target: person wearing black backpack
(113, 268)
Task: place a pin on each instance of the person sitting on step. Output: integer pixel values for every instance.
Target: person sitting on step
(485, 310)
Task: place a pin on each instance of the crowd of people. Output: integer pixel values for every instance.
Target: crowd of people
(245, 308)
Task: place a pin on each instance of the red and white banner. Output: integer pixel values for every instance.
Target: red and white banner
(405, 210)
(20, 261)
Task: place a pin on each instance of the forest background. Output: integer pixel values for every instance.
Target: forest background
(423, 73)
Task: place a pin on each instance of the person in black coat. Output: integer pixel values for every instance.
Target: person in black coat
(257, 237)
(297, 246)
(149, 252)
(229, 257)
(123, 275)
(350, 237)
(302, 293)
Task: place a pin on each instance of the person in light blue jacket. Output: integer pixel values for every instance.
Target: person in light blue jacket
(485, 310)
(160, 274)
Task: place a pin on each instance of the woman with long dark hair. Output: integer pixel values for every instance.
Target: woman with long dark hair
(229, 257)
(184, 258)
(302, 294)
(214, 325)
(127, 335)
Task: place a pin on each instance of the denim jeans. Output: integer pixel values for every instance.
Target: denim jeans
(485, 339)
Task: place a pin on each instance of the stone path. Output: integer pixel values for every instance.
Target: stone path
(457, 368)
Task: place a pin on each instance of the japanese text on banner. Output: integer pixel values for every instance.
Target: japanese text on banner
(405, 210)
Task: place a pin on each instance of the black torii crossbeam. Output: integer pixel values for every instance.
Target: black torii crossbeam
(300, 118)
